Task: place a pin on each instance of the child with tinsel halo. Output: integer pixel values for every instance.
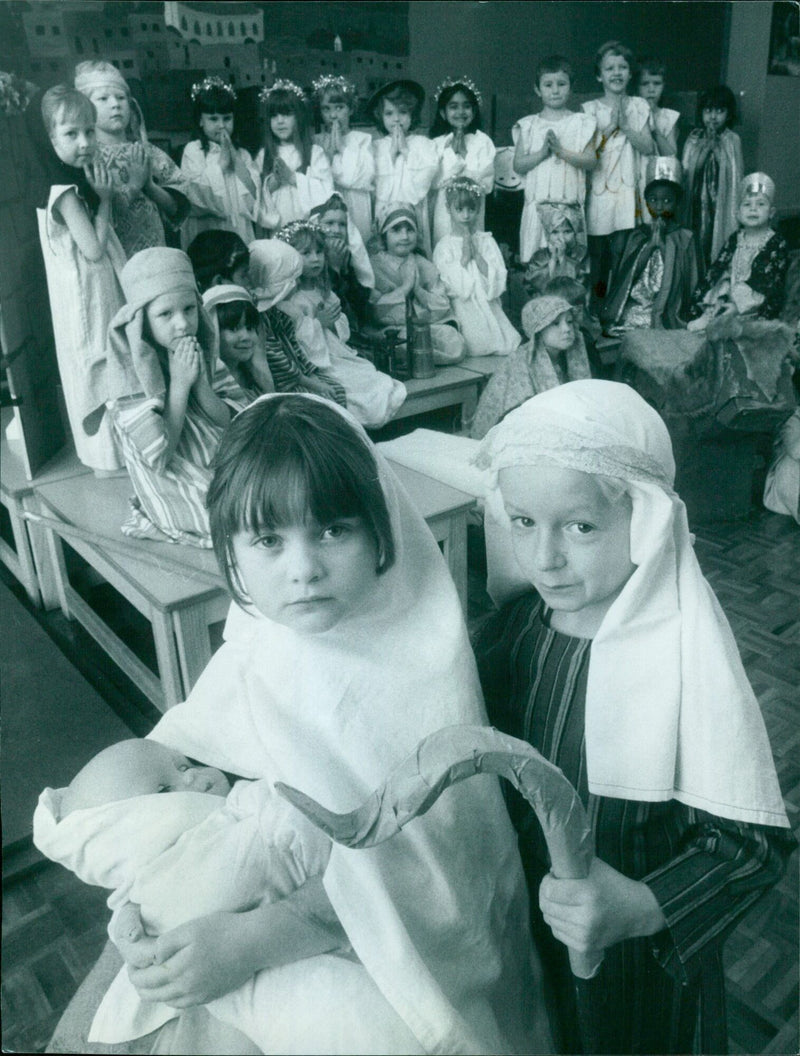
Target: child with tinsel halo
(348, 150)
(474, 273)
(552, 152)
(405, 162)
(228, 194)
(464, 150)
(294, 169)
(149, 189)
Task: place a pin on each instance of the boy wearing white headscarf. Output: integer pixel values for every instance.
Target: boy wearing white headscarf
(612, 657)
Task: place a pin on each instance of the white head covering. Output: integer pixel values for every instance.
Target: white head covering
(94, 74)
(437, 915)
(275, 267)
(669, 711)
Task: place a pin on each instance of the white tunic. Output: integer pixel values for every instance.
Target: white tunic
(313, 187)
(407, 178)
(553, 180)
(476, 297)
(478, 165)
(354, 178)
(613, 199)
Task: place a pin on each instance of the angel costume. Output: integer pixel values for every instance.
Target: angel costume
(713, 169)
(477, 164)
(475, 297)
(220, 200)
(407, 178)
(436, 916)
(372, 397)
(353, 172)
(312, 187)
(553, 180)
(84, 295)
(172, 857)
(613, 203)
(653, 721)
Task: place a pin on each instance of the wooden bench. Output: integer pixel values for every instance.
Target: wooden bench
(450, 387)
(178, 589)
(28, 558)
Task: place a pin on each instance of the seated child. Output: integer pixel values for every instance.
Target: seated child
(208, 847)
(473, 273)
(218, 257)
(240, 336)
(405, 163)
(749, 275)
(157, 380)
(713, 169)
(402, 274)
(553, 354)
(349, 268)
(348, 150)
(611, 656)
(578, 296)
(275, 268)
(322, 332)
(653, 283)
(565, 253)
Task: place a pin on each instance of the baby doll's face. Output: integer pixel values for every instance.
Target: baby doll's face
(714, 119)
(570, 541)
(559, 335)
(394, 116)
(172, 316)
(214, 125)
(158, 769)
(333, 224)
(661, 200)
(283, 126)
(553, 89)
(615, 73)
(73, 140)
(465, 211)
(237, 344)
(401, 239)
(308, 576)
(334, 110)
(113, 109)
(755, 212)
(651, 86)
(459, 112)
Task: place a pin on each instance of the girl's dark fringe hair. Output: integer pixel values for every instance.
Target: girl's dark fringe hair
(720, 97)
(214, 100)
(216, 252)
(283, 460)
(440, 126)
(282, 101)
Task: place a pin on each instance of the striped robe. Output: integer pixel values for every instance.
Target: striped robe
(170, 497)
(288, 363)
(665, 993)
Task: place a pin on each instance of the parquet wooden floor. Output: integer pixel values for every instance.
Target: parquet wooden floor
(54, 926)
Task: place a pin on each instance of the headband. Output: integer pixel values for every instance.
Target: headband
(459, 82)
(212, 82)
(282, 85)
(757, 183)
(463, 185)
(290, 231)
(330, 82)
(394, 213)
(109, 77)
(226, 294)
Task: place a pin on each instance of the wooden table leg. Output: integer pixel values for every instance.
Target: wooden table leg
(20, 558)
(42, 561)
(169, 670)
(450, 531)
(194, 643)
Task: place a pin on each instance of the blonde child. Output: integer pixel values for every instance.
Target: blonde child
(553, 354)
(611, 656)
(148, 187)
(663, 123)
(402, 275)
(339, 582)
(322, 332)
(464, 150)
(621, 139)
(713, 170)
(405, 163)
(348, 150)
(294, 170)
(160, 399)
(226, 188)
(552, 152)
(473, 272)
(82, 257)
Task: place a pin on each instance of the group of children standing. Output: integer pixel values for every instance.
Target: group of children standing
(226, 379)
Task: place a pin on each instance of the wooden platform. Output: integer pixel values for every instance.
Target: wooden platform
(450, 387)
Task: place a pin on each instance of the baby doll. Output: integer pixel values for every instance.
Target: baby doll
(349, 151)
(713, 169)
(553, 354)
(653, 284)
(474, 274)
(149, 188)
(402, 274)
(405, 163)
(464, 150)
(748, 276)
(205, 848)
(322, 332)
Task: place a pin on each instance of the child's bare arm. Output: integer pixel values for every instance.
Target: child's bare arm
(524, 161)
(639, 139)
(580, 159)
